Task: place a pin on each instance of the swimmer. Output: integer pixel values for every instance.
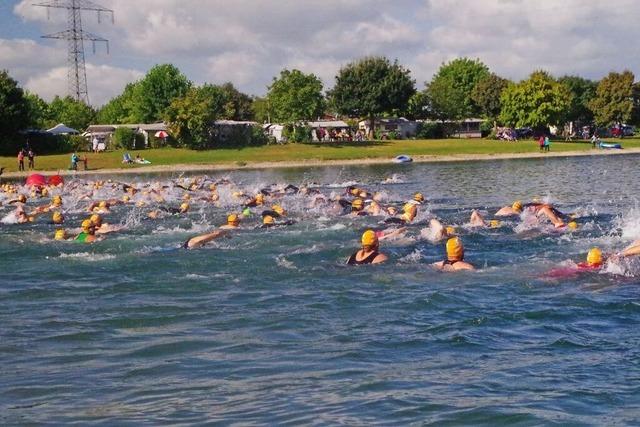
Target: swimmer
(357, 207)
(103, 227)
(258, 200)
(437, 231)
(233, 221)
(60, 234)
(269, 222)
(455, 257)
(514, 210)
(476, 220)
(87, 235)
(203, 239)
(369, 254)
(276, 211)
(418, 198)
(410, 211)
(57, 218)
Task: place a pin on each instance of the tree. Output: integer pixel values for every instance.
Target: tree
(238, 105)
(486, 95)
(190, 118)
(451, 87)
(419, 106)
(71, 112)
(14, 108)
(295, 96)
(372, 86)
(39, 114)
(538, 102)
(120, 110)
(260, 109)
(583, 91)
(613, 102)
(153, 94)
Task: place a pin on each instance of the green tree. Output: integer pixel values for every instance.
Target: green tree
(583, 91)
(613, 102)
(372, 86)
(238, 105)
(486, 95)
(451, 87)
(538, 102)
(153, 94)
(39, 114)
(14, 108)
(260, 109)
(73, 113)
(190, 118)
(295, 96)
(419, 106)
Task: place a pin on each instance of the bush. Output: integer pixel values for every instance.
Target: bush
(430, 130)
(124, 138)
(76, 143)
(138, 142)
(300, 134)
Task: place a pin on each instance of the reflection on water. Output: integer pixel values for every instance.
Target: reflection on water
(270, 327)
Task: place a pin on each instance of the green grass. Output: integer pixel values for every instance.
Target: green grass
(297, 152)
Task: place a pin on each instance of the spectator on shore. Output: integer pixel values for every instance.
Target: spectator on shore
(21, 160)
(31, 156)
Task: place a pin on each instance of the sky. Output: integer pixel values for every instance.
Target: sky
(248, 42)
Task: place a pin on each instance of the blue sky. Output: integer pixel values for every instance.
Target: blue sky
(248, 42)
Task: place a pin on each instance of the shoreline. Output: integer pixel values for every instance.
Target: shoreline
(205, 167)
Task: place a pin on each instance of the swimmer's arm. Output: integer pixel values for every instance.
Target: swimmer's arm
(632, 250)
(392, 233)
(380, 258)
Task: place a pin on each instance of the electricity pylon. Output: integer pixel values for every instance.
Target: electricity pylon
(75, 37)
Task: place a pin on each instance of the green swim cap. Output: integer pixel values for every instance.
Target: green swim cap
(246, 212)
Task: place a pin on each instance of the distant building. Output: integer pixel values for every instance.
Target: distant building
(105, 132)
(403, 128)
(467, 128)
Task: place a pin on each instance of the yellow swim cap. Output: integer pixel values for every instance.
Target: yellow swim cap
(57, 218)
(455, 250)
(354, 191)
(278, 209)
(22, 198)
(86, 225)
(517, 206)
(57, 200)
(450, 230)
(125, 198)
(418, 197)
(186, 197)
(573, 225)
(184, 207)
(357, 204)
(494, 223)
(233, 219)
(268, 219)
(259, 198)
(237, 194)
(96, 220)
(594, 257)
(213, 187)
(103, 204)
(140, 204)
(31, 218)
(369, 238)
(60, 234)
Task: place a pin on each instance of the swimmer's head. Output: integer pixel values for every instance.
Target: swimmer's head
(572, 225)
(57, 218)
(233, 220)
(455, 249)
(246, 212)
(494, 223)
(259, 198)
(354, 191)
(125, 198)
(61, 234)
(268, 220)
(96, 220)
(369, 239)
(517, 206)
(186, 197)
(450, 230)
(103, 204)
(418, 197)
(594, 257)
(392, 210)
(87, 225)
(184, 207)
(57, 200)
(22, 198)
(357, 204)
(278, 209)
(44, 192)
(213, 187)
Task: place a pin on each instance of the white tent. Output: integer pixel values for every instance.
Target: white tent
(61, 129)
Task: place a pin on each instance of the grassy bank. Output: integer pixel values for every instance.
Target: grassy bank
(300, 152)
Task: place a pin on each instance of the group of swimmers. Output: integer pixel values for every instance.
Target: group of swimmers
(395, 217)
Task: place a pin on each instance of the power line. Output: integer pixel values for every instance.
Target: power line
(75, 37)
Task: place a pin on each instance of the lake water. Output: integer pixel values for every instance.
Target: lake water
(270, 326)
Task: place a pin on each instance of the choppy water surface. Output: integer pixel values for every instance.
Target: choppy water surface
(270, 327)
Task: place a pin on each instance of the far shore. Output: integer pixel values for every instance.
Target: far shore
(228, 166)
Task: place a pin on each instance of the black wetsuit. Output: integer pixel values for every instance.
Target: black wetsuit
(395, 220)
(368, 260)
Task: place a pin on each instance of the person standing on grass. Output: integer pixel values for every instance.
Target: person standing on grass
(21, 160)
(547, 144)
(31, 155)
(541, 142)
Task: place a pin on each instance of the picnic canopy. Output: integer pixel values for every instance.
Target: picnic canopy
(62, 129)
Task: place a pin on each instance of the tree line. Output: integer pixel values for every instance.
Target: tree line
(366, 88)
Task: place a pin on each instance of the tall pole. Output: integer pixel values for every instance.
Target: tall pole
(75, 37)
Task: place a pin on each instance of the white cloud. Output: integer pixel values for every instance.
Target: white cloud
(248, 42)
